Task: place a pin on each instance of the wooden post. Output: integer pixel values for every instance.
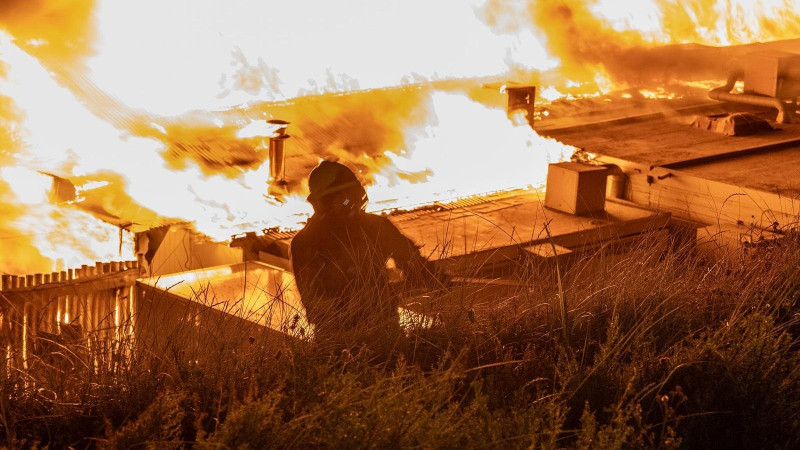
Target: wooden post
(86, 303)
(15, 338)
(6, 283)
(59, 313)
(25, 338)
(5, 341)
(38, 278)
(131, 310)
(65, 315)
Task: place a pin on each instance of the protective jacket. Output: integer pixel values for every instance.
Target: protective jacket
(340, 271)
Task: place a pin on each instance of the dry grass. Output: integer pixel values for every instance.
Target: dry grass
(665, 350)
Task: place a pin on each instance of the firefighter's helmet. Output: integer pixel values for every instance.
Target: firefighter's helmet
(333, 185)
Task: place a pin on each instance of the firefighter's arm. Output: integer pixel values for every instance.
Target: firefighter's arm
(417, 270)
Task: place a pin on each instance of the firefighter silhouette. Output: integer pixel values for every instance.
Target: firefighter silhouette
(340, 264)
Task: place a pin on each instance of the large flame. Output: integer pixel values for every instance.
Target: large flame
(602, 44)
(167, 57)
(62, 137)
(141, 106)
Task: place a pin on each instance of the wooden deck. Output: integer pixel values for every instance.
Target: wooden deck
(748, 182)
(507, 230)
(501, 229)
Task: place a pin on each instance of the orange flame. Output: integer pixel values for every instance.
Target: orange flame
(141, 105)
(603, 43)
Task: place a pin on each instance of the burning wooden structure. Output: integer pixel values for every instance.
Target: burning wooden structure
(88, 308)
(733, 187)
(642, 174)
(235, 307)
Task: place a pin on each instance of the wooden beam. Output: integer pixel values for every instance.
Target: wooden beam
(81, 286)
(705, 201)
(767, 148)
(547, 250)
(710, 202)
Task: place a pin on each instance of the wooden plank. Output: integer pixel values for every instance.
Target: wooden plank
(81, 286)
(547, 250)
(275, 261)
(707, 201)
(729, 240)
(591, 237)
(710, 202)
(781, 144)
(613, 231)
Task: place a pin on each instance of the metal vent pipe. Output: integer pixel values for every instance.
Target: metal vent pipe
(736, 72)
(277, 154)
(723, 94)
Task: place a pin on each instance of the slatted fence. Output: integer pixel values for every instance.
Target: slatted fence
(77, 316)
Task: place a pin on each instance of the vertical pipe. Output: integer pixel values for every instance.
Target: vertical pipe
(277, 155)
(277, 158)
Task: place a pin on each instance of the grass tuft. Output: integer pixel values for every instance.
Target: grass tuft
(641, 348)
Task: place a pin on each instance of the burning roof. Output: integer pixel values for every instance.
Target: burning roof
(148, 126)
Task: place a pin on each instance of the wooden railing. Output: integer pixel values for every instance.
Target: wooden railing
(86, 311)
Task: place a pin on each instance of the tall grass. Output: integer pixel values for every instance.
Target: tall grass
(666, 349)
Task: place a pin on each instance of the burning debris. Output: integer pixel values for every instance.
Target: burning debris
(735, 124)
